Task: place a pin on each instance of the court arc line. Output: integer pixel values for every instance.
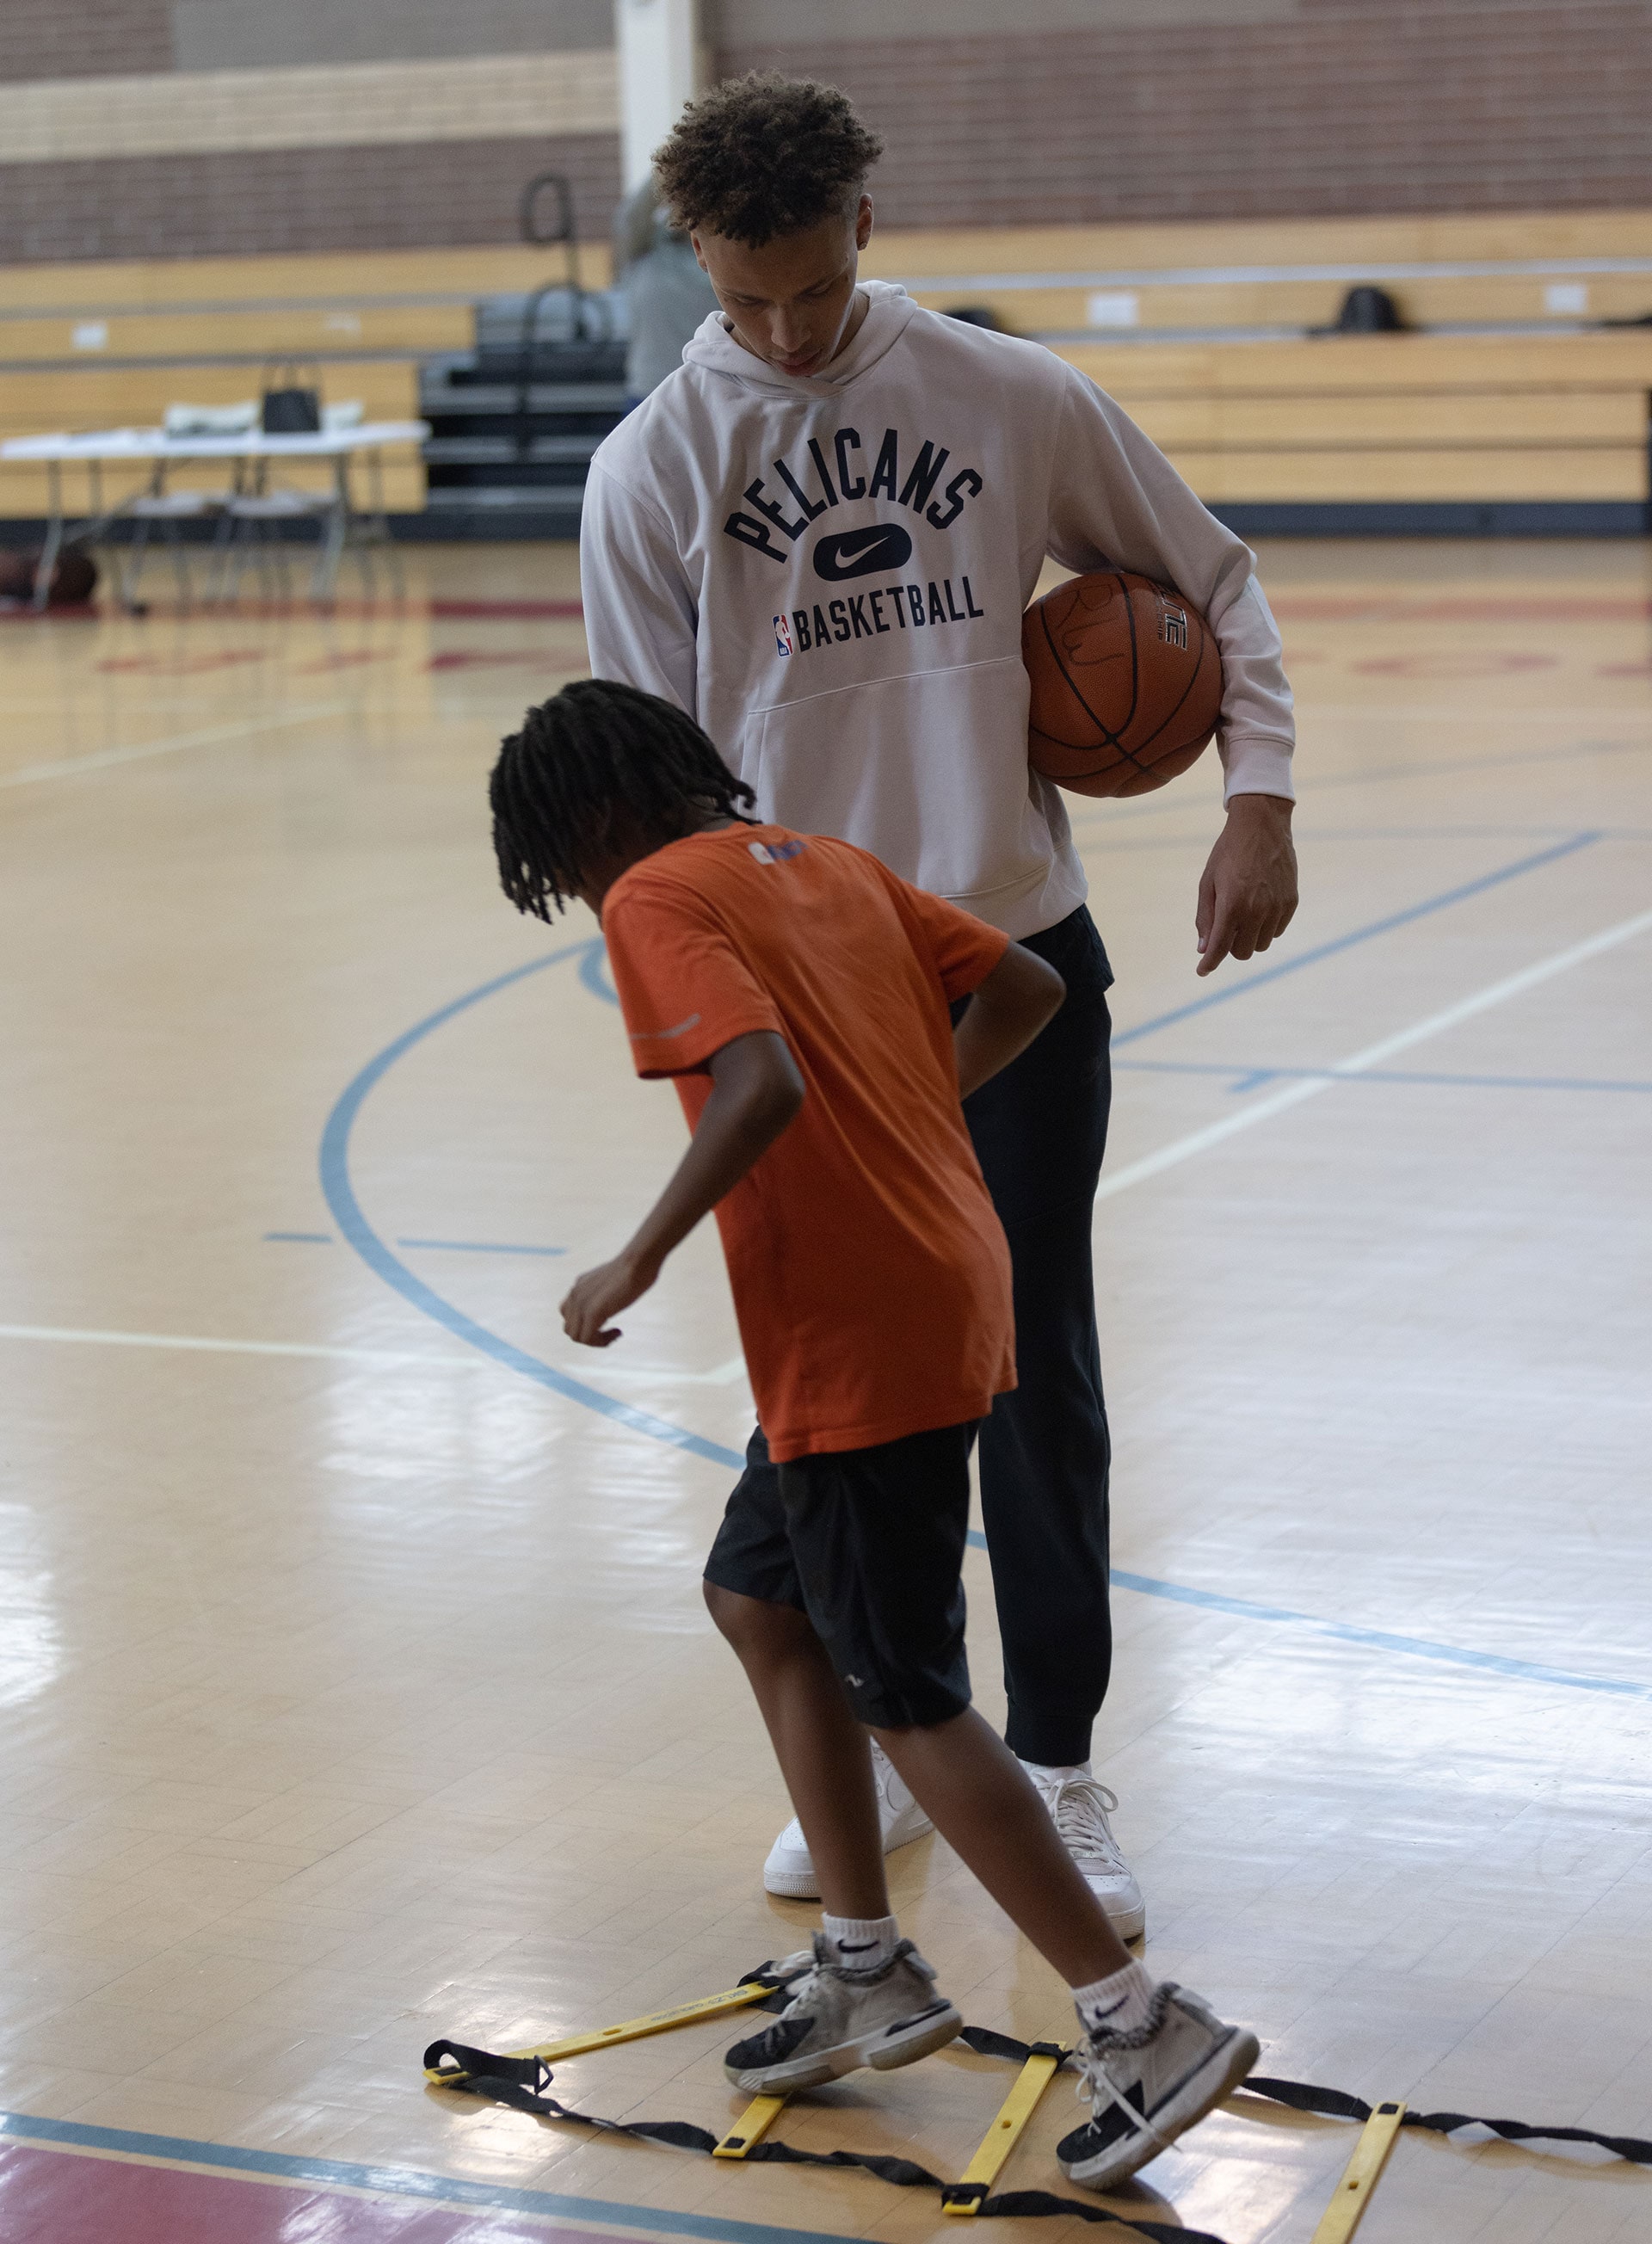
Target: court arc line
(1144, 1585)
(339, 1191)
(384, 2182)
(1416, 1647)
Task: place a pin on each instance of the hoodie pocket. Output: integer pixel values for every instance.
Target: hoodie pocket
(927, 770)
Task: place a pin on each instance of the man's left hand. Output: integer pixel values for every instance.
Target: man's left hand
(1248, 890)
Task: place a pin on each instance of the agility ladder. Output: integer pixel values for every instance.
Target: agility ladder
(520, 2078)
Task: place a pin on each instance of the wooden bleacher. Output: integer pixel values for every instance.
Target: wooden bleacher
(1513, 402)
(202, 330)
(1508, 400)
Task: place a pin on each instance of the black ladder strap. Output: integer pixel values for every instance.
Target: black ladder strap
(520, 2083)
(1336, 2104)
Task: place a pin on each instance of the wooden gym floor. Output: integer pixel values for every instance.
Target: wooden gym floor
(355, 1681)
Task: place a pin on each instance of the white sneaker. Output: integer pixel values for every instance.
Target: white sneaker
(791, 1868)
(1079, 1807)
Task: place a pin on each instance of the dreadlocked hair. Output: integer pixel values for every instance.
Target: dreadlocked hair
(765, 155)
(600, 767)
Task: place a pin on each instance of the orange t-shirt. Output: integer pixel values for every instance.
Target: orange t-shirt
(871, 1274)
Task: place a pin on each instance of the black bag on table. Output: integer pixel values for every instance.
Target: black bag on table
(291, 407)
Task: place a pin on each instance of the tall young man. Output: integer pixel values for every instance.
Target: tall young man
(817, 538)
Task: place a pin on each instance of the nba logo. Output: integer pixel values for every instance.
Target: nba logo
(783, 635)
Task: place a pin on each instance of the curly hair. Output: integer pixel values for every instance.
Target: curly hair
(764, 155)
(599, 765)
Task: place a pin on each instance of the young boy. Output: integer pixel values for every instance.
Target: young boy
(798, 993)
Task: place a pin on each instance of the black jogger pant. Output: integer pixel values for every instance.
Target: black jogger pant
(1040, 1128)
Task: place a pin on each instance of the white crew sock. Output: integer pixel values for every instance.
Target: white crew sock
(1119, 2003)
(860, 1943)
(1050, 1773)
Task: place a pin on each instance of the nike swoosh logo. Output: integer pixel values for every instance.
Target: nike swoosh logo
(866, 552)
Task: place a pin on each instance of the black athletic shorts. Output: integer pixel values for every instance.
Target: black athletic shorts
(870, 1544)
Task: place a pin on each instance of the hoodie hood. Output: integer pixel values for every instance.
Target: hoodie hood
(714, 347)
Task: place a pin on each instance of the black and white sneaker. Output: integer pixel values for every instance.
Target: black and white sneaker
(1147, 2087)
(839, 2019)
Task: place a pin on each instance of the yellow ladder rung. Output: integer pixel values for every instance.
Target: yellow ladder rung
(966, 2195)
(1360, 2176)
(752, 2126)
(709, 2007)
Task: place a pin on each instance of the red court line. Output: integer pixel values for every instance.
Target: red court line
(1411, 608)
(507, 607)
(286, 610)
(65, 2197)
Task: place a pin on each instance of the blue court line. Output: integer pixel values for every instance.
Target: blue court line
(593, 973)
(1358, 935)
(447, 1246)
(591, 966)
(1248, 1078)
(479, 1247)
(1418, 1648)
(340, 1198)
(403, 2181)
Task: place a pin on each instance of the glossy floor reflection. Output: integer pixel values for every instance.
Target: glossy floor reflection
(356, 1684)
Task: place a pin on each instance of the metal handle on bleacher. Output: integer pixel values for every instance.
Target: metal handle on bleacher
(565, 231)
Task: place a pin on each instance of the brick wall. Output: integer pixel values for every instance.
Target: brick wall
(415, 195)
(1330, 106)
(246, 127)
(1070, 111)
(89, 38)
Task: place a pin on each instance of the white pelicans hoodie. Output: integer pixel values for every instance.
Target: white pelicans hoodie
(828, 574)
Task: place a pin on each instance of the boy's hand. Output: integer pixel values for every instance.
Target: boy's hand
(1019, 997)
(756, 1092)
(602, 1293)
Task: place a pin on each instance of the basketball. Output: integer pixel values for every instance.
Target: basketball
(1127, 683)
